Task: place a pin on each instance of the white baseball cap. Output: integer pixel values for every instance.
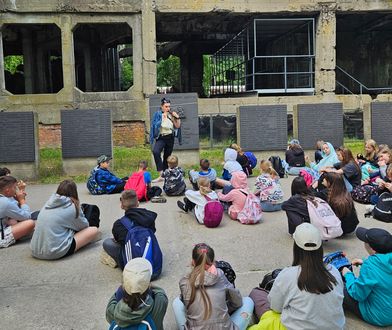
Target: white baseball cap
(307, 237)
(137, 275)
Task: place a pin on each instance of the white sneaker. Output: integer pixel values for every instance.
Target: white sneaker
(107, 259)
(369, 208)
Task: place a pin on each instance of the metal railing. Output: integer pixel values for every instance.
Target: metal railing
(351, 85)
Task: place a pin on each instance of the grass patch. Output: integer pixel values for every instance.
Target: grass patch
(126, 161)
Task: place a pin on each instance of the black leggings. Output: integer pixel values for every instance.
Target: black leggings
(119, 188)
(351, 304)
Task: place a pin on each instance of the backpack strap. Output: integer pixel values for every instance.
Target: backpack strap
(244, 192)
(207, 198)
(127, 223)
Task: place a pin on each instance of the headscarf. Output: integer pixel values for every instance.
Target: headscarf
(328, 160)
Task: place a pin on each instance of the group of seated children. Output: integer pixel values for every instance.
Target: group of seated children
(307, 295)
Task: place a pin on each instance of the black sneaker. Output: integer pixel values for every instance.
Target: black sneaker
(181, 205)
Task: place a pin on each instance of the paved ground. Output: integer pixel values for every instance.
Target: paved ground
(72, 293)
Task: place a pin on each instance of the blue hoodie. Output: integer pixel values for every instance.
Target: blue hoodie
(373, 289)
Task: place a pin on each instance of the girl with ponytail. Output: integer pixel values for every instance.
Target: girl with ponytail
(207, 298)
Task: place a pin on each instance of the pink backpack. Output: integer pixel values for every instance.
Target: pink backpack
(213, 213)
(323, 217)
(252, 212)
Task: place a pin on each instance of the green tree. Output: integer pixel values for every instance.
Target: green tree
(168, 71)
(11, 62)
(126, 73)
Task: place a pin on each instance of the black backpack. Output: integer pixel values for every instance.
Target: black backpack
(92, 213)
(277, 165)
(383, 210)
(227, 270)
(269, 279)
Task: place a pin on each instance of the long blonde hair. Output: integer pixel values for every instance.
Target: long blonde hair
(372, 154)
(237, 148)
(204, 186)
(266, 168)
(202, 256)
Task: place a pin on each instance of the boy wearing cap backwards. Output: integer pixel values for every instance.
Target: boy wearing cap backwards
(109, 183)
(136, 301)
(369, 295)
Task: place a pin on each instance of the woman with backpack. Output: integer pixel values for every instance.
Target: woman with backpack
(196, 200)
(136, 302)
(296, 206)
(329, 159)
(61, 228)
(340, 200)
(307, 295)
(294, 158)
(208, 300)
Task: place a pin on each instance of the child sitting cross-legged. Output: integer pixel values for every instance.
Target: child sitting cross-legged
(268, 188)
(174, 184)
(113, 247)
(140, 181)
(136, 302)
(205, 172)
(196, 200)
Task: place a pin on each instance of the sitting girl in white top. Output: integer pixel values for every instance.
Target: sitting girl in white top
(268, 188)
(196, 200)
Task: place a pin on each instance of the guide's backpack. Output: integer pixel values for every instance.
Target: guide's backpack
(269, 279)
(146, 324)
(93, 187)
(92, 213)
(251, 212)
(324, 219)
(362, 194)
(251, 159)
(213, 212)
(227, 270)
(277, 165)
(383, 209)
(136, 182)
(141, 242)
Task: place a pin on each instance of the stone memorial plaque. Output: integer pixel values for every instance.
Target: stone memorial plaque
(86, 133)
(320, 122)
(381, 118)
(185, 104)
(263, 127)
(17, 141)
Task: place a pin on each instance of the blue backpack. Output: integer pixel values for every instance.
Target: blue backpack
(146, 324)
(141, 243)
(93, 187)
(251, 159)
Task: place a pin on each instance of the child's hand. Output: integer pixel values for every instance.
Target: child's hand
(11, 222)
(345, 270)
(388, 185)
(356, 262)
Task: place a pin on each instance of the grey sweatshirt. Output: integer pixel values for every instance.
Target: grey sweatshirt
(55, 228)
(302, 310)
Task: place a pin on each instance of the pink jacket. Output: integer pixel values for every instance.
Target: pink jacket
(238, 181)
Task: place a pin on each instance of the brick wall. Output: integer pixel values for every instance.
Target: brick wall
(129, 134)
(49, 136)
(125, 134)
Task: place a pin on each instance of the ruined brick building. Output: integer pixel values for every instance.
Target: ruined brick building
(264, 52)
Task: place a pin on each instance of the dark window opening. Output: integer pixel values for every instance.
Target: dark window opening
(103, 57)
(32, 58)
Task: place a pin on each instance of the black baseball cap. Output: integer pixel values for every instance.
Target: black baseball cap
(379, 239)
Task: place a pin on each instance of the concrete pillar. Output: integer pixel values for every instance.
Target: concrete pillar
(191, 71)
(149, 58)
(28, 60)
(325, 50)
(87, 67)
(2, 77)
(68, 55)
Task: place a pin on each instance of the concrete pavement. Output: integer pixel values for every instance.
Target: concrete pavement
(72, 293)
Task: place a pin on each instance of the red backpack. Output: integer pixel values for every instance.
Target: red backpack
(136, 182)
